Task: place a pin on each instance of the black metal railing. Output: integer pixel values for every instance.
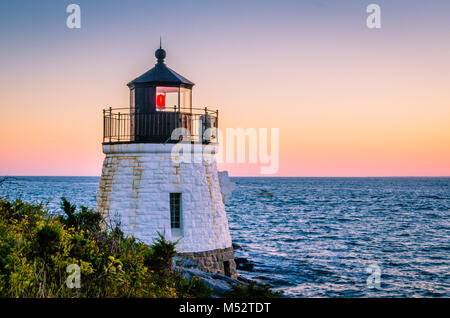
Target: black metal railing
(125, 125)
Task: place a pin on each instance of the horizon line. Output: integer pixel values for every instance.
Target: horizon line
(258, 176)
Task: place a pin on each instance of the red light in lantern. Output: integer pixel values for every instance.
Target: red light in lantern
(160, 100)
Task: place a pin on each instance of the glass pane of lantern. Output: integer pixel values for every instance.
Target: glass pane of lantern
(166, 97)
(132, 98)
(185, 98)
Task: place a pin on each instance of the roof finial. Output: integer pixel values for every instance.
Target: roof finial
(160, 53)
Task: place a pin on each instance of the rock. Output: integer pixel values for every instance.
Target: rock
(219, 283)
(226, 185)
(183, 262)
(265, 193)
(236, 246)
(243, 264)
(245, 280)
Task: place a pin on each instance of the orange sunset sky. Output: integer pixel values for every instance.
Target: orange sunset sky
(348, 100)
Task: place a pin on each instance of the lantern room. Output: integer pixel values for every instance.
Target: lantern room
(160, 103)
(160, 89)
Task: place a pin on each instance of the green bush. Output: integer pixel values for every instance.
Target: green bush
(86, 219)
(36, 249)
(47, 240)
(159, 256)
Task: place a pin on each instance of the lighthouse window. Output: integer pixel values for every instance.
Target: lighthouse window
(132, 98)
(167, 97)
(175, 210)
(185, 98)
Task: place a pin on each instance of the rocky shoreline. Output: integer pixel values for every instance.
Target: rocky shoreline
(220, 284)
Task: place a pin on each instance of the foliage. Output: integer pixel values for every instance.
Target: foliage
(36, 249)
(195, 286)
(159, 256)
(86, 219)
(252, 290)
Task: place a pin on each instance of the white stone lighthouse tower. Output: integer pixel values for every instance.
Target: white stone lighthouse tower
(146, 185)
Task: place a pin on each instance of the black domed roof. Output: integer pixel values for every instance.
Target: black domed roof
(160, 74)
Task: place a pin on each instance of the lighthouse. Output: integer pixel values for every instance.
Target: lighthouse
(144, 183)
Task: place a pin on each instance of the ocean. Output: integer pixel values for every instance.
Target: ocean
(318, 237)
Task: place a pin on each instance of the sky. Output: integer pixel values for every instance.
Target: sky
(348, 100)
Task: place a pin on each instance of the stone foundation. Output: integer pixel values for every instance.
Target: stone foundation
(215, 261)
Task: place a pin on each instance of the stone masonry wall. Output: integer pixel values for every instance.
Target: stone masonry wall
(135, 187)
(214, 261)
